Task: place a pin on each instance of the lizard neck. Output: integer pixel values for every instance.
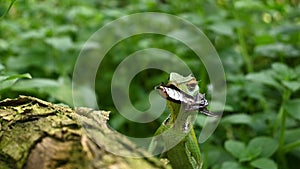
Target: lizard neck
(175, 109)
(180, 119)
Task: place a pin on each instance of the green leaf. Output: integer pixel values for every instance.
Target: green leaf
(297, 70)
(247, 4)
(287, 29)
(280, 67)
(200, 120)
(264, 77)
(63, 92)
(59, 89)
(275, 50)
(34, 34)
(35, 83)
(19, 76)
(264, 163)
(5, 84)
(292, 85)
(1, 67)
(292, 135)
(231, 165)
(250, 154)
(267, 145)
(236, 148)
(215, 154)
(293, 108)
(237, 119)
(262, 40)
(292, 140)
(222, 28)
(60, 43)
(9, 81)
(216, 106)
(283, 72)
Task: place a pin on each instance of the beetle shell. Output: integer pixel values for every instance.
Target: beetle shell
(173, 94)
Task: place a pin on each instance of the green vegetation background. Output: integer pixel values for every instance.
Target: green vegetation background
(257, 41)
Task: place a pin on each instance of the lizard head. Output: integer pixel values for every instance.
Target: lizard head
(185, 90)
(186, 84)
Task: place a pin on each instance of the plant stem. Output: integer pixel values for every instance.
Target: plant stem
(282, 114)
(282, 127)
(286, 97)
(244, 50)
(8, 9)
(242, 40)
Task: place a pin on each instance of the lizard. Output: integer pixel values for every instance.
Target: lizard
(176, 135)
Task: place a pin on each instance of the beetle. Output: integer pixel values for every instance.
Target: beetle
(191, 103)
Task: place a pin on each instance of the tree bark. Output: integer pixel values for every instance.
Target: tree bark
(35, 134)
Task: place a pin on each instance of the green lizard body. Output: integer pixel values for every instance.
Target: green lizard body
(176, 132)
(186, 154)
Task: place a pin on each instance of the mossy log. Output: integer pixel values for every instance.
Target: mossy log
(35, 134)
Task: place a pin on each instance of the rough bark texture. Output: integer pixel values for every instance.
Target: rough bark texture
(35, 134)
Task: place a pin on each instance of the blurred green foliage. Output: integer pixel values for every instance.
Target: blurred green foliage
(258, 43)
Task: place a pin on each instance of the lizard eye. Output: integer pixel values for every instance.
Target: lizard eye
(191, 86)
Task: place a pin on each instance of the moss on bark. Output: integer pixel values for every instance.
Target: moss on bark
(37, 134)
